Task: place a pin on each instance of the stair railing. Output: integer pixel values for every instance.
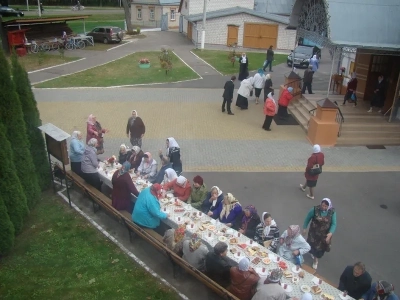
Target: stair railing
(339, 118)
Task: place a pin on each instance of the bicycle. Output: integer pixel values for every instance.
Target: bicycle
(74, 44)
(35, 48)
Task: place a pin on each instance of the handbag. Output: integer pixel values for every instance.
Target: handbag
(316, 168)
(353, 97)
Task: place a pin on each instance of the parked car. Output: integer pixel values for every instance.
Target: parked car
(6, 11)
(302, 56)
(107, 34)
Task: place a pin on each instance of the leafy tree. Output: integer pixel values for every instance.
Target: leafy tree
(32, 122)
(127, 12)
(7, 232)
(12, 117)
(10, 187)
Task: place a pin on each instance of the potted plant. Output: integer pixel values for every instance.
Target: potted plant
(144, 63)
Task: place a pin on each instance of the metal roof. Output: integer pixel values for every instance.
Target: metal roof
(45, 19)
(237, 10)
(169, 2)
(281, 7)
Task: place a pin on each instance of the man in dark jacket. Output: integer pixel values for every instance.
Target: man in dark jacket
(217, 265)
(269, 60)
(355, 280)
(228, 95)
(307, 80)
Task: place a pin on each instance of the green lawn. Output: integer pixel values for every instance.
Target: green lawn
(36, 61)
(59, 255)
(77, 26)
(124, 71)
(219, 60)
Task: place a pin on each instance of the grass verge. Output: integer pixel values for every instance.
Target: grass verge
(219, 60)
(103, 47)
(124, 71)
(36, 61)
(59, 255)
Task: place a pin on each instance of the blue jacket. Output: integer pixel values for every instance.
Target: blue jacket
(372, 291)
(207, 206)
(314, 63)
(233, 214)
(76, 150)
(147, 212)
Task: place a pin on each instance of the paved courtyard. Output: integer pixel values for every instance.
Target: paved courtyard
(233, 152)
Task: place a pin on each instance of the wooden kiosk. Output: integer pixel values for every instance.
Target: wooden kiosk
(323, 128)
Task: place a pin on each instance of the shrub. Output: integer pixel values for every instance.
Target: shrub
(165, 60)
(7, 231)
(138, 30)
(32, 122)
(12, 117)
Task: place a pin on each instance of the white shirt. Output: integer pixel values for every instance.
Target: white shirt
(259, 81)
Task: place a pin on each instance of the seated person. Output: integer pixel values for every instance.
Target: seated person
(174, 238)
(169, 175)
(136, 157)
(271, 288)
(228, 211)
(243, 280)
(381, 290)
(124, 154)
(293, 245)
(217, 265)
(90, 164)
(194, 252)
(267, 233)
(355, 280)
(148, 167)
(199, 192)
(160, 177)
(247, 223)
(123, 187)
(213, 199)
(147, 212)
(180, 187)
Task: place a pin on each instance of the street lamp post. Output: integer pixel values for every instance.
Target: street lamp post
(203, 31)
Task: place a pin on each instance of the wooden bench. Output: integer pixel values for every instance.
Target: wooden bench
(308, 269)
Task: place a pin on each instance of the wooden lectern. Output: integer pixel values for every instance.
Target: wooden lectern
(323, 128)
(292, 80)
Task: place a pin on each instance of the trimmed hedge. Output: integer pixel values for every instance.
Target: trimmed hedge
(7, 230)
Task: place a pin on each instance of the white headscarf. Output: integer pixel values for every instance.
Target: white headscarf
(316, 148)
(244, 264)
(353, 75)
(244, 58)
(181, 181)
(171, 144)
(123, 146)
(267, 229)
(137, 115)
(75, 135)
(271, 97)
(329, 201)
(219, 194)
(314, 56)
(136, 149)
(170, 175)
(268, 76)
(226, 208)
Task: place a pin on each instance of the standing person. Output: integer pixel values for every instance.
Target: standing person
(199, 192)
(123, 187)
(355, 280)
(94, 130)
(380, 290)
(41, 7)
(247, 223)
(317, 159)
(267, 86)
(283, 102)
(322, 227)
(314, 62)
(246, 86)
(351, 90)
(269, 111)
(267, 233)
(258, 81)
(135, 129)
(90, 164)
(229, 87)
(243, 280)
(271, 288)
(76, 150)
(378, 99)
(172, 155)
(269, 59)
(293, 245)
(307, 80)
(243, 67)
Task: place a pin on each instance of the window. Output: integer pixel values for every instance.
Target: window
(172, 14)
(139, 13)
(152, 13)
(379, 64)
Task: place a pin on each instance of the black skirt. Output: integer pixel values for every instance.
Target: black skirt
(257, 92)
(242, 102)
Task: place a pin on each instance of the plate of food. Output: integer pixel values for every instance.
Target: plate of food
(170, 195)
(287, 274)
(164, 201)
(233, 241)
(266, 261)
(251, 251)
(256, 261)
(233, 250)
(177, 203)
(343, 296)
(262, 254)
(179, 210)
(325, 296)
(243, 246)
(295, 279)
(315, 289)
(296, 269)
(211, 227)
(282, 264)
(140, 181)
(222, 238)
(262, 271)
(287, 287)
(316, 281)
(305, 288)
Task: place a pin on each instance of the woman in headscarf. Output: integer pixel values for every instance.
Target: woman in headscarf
(194, 252)
(243, 280)
(351, 89)
(380, 290)
(247, 224)
(213, 200)
(198, 193)
(170, 175)
(180, 186)
(317, 159)
(270, 109)
(246, 86)
(314, 62)
(135, 129)
(283, 102)
(267, 232)
(124, 154)
(228, 211)
(293, 245)
(136, 158)
(267, 86)
(94, 130)
(148, 167)
(271, 288)
(172, 155)
(76, 150)
(243, 67)
(174, 239)
(90, 164)
(258, 82)
(322, 227)
(123, 187)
